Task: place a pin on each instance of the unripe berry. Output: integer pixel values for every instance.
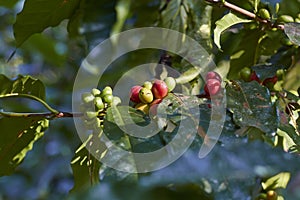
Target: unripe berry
(159, 89)
(171, 83)
(213, 75)
(90, 114)
(245, 74)
(264, 13)
(212, 87)
(147, 85)
(108, 98)
(87, 97)
(96, 92)
(134, 94)
(106, 90)
(98, 103)
(285, 18)
(145, 95)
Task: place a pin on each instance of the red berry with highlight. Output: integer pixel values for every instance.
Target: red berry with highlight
(254, 77)
(159, 89)
(213, 75)
(134, 94)
(212, 87)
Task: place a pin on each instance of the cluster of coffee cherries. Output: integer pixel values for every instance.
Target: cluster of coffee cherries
(94, 105)
(151, 93)
(247, 74)
(213, 84)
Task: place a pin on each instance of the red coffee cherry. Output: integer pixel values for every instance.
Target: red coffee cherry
(273, 80)
(213, 75)
(212, 87)
(134, 94)
(254, 77)
(159, 89)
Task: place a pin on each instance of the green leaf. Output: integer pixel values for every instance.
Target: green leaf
(278, 181)
(36, 16)
(84, 165)
(16, 139)
(19, 134)
(174, 16)
(251, 105)
(227, 21)
(22, 85)
(244, 55)
(124, 115)
(292, 30)
(264, 71)
(189, 75)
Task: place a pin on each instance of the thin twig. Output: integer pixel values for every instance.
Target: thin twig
(246, 13)
(48, 115)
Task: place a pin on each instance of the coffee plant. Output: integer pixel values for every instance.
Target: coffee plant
(254, 45)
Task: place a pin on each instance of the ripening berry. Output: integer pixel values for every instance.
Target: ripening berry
(212, 87)
(145, 95)
(134, 94)
(213, 75)
(159, 89)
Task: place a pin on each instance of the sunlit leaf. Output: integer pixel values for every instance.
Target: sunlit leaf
(85, 165)
(16, 139)
(278, 181)
(227, 21)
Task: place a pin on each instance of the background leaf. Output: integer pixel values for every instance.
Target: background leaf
(36, 16)
(22, 85)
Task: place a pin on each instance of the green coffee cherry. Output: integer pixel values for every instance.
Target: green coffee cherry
(171, 83)
(96, 92)
(145, 95)
(106, 90)
(108, 98)
(147, 85)
(87, 97)
(98, 103)
(280, 74)
(285, 19)
(245, 74)
(116, 101)
(264, 13)
(91, 114)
